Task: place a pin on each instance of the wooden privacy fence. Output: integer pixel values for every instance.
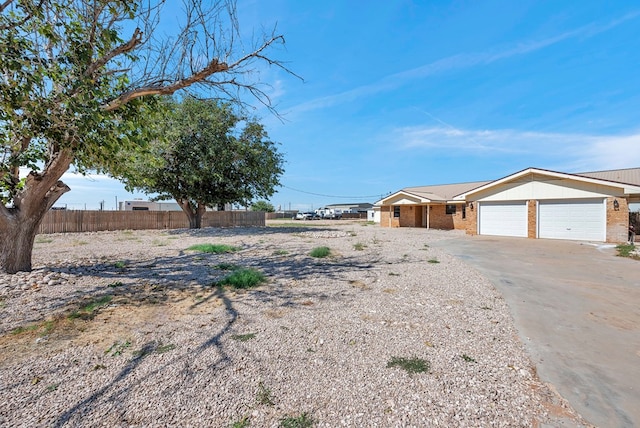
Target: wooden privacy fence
(61, 221)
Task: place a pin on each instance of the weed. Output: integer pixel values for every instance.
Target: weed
(627, 250)
(243, 337)
(242, 423)
(410, 365)
(302, 421)
(244, 278)
(76, 243)
(226, 266)
(213, 248)
(468, 359)
(405, 257)
(127, 232)
(359, 246)
(393, 274)
(88, 311)
(99, 367)
(21, 329)
(263, 396)
(52, 388)
(161, 349)
(486, 308)
(119, 264)
(115, 284)
(159, 243)
(352, 233)
(42, 240)
(368, 223)
(117, 348)
(320, 252)
(280, 253)
(433, 261)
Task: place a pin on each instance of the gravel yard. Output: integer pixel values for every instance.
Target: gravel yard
(128, 329)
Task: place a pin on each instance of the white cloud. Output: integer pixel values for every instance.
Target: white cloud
(572, 152)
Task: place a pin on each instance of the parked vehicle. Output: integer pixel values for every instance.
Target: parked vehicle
(329, 213)
(306, 216)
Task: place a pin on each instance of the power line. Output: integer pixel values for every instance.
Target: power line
(379, 195)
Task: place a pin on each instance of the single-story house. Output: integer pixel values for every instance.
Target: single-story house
(534, 203)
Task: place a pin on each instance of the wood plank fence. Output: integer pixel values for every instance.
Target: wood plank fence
(62, 221)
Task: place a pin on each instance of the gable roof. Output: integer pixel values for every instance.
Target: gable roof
(626, 186)
(627, 179)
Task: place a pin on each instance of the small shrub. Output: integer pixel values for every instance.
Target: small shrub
(119, 264)
(468, 359)
(263, 396)
(320, 252)
(302, 421)
(410, 365)
(280, 253)
(117, 348)
(213, 248)
(226, 266)
(242, 423)
(161, 349)
(359, 246)
(244, 278)
(243, 337)
(115, 284)
(626, 250)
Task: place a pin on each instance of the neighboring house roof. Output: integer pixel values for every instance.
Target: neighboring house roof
(354, 205)
(628, 175)
(627, 187)
(628, 179)
(438, 193)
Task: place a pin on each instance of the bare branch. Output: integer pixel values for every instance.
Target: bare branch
(213, 67)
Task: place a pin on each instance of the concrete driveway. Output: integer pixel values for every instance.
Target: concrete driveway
(577, 309)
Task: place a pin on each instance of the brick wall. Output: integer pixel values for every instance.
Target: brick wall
(617, 220)
(532, 219)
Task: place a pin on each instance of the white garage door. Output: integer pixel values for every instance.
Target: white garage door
(583, 219)
(503, 218)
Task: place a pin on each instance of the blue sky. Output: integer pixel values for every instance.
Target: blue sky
(409, 93)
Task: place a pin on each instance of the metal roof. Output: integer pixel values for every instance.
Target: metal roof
(443, 192)
(628, 176)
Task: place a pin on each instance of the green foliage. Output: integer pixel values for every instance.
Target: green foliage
(320, 252)
(302, 421)
(213, 248)
(242, 423)
(410, 365)
(626, 250)
(89, 310)
(209, 156)
(244, 278)
(263, 206)
(243, 337)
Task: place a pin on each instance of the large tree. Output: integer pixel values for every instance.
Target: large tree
(205, 155)
(79, 81)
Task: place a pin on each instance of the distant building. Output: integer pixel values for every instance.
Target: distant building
(141, 205)
(358, 207)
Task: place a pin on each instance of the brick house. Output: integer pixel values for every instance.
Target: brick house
(534, 203)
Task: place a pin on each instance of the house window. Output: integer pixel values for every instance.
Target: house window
(450, 209)
(396, 211)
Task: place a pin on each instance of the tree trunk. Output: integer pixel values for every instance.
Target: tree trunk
(194, 212)
(17, 244)
(19, 224)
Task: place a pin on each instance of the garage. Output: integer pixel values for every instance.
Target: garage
(503, 218)
(578, 219)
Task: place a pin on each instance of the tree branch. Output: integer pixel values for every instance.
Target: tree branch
(134, 41)
(214, 67)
